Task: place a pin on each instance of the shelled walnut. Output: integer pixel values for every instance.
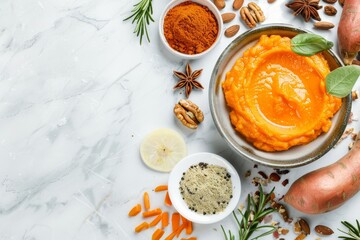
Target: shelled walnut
(188, 113)
(252, 14)
(330, 10)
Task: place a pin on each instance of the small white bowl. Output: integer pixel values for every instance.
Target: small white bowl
(205, 3)
(179, 203)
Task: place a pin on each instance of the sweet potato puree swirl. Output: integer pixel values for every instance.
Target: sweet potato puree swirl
(278, 98)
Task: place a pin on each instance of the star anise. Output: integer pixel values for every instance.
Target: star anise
(187, 80)
(307, 8)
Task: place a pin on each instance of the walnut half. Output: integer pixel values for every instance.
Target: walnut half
(188, 113)
(252, 14)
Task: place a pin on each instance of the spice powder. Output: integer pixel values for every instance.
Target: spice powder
(206, 189)
(190, 28)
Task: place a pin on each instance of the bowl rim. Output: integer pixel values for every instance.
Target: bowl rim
(205, 3)
(247, 155)
(183, 165)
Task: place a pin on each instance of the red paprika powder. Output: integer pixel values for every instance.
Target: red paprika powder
(190, 28)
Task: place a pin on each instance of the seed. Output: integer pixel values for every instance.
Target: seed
(324, 25)
(227, 17)
(274, 177)
(220, 4)
(354, 95)
(264, 175)
(323, 230)
(285, 182)
(304, 226)
(354, 136)
(237, 4)
(284, 231)
(297, 227)
(282, 172)
(231, 31)
(330, 10)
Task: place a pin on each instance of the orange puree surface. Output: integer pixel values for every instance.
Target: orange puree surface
(278, 98)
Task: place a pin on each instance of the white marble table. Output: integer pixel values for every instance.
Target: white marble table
(78, 94)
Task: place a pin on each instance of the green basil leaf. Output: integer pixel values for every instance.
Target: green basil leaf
(308, 44)
(340, 81)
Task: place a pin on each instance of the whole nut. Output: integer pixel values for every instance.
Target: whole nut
(323, 230)
(247, 17)
(330, 10)
(324, 25)
(252, 14)
(220, 4)
(257, 11)
(227, 17)
(274, 177)
(330, 1)
(188, 113)
(342, 2)
(231, 31)
(237, 4)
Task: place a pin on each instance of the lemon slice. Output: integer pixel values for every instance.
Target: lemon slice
(162, 149)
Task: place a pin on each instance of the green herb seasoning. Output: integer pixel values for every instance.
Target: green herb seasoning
(206, 189)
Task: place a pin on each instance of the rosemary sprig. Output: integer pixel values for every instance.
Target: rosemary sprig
(353, 232)
(255, 212)
(142, 15)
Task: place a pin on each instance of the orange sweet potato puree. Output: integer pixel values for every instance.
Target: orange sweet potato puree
(278, 98)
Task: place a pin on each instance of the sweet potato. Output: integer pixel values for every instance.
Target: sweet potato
(329, 187)
(349, 31)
